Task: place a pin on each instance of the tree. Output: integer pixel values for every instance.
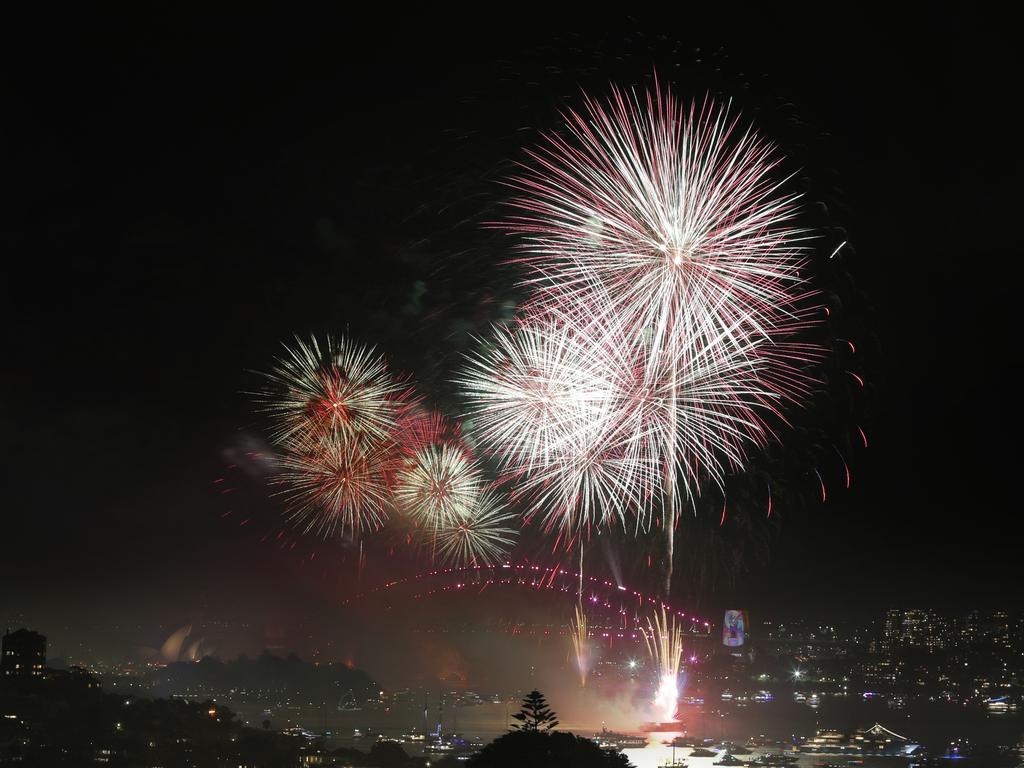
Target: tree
(545, 749)
(388, 754)
(535, 714)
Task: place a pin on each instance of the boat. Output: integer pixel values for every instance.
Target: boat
(876, 741)
(728, 760)
(611, 740)
(775, 759)
(438, 748)
(454, 745)
(735, 749)
(879, 741)
(1000, 705)
(702, 752)
(763, 741)
(826, 742)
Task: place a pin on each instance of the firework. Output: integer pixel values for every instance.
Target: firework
(438, 487)
(589, 434)
(419, 429)
(547, 396)
(337, 485)
(335, 413)
(337, 388)
(664, 640)
(578, 633)
(657, 349)
(675, 213)
(484, 538)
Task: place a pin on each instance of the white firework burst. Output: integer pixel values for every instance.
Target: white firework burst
(483, 538)
(339, 387)
(337, 485)
(438, 486)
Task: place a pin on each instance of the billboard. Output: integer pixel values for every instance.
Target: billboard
(734, 629)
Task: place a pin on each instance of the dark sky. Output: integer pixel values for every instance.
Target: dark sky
(186, 194)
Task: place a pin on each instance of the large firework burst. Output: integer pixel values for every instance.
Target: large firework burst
(547, 396)
(658, 348)
(674, 211)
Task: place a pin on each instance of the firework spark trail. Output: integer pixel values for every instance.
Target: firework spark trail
(660, 240)
(579, 634)
(664, 640)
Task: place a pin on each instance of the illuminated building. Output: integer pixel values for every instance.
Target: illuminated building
(23, 654)
(912, 628)
(734, 629)
(990, 628)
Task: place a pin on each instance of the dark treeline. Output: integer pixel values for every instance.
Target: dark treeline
(266, 673)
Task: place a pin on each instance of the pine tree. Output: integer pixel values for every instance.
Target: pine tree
(535, 714)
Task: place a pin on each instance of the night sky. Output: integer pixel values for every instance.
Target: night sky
(184, 195)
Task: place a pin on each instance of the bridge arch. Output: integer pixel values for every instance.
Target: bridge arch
(630, 608)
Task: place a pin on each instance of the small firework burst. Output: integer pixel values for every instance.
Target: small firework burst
(335, 413)
(438, 486)
(337, 485)
(483, 538)
(338, 388)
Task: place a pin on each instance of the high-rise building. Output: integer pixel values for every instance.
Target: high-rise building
(990, 628)
(23, 653)
(912, 628)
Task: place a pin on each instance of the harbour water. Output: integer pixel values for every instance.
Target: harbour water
(931, 724)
